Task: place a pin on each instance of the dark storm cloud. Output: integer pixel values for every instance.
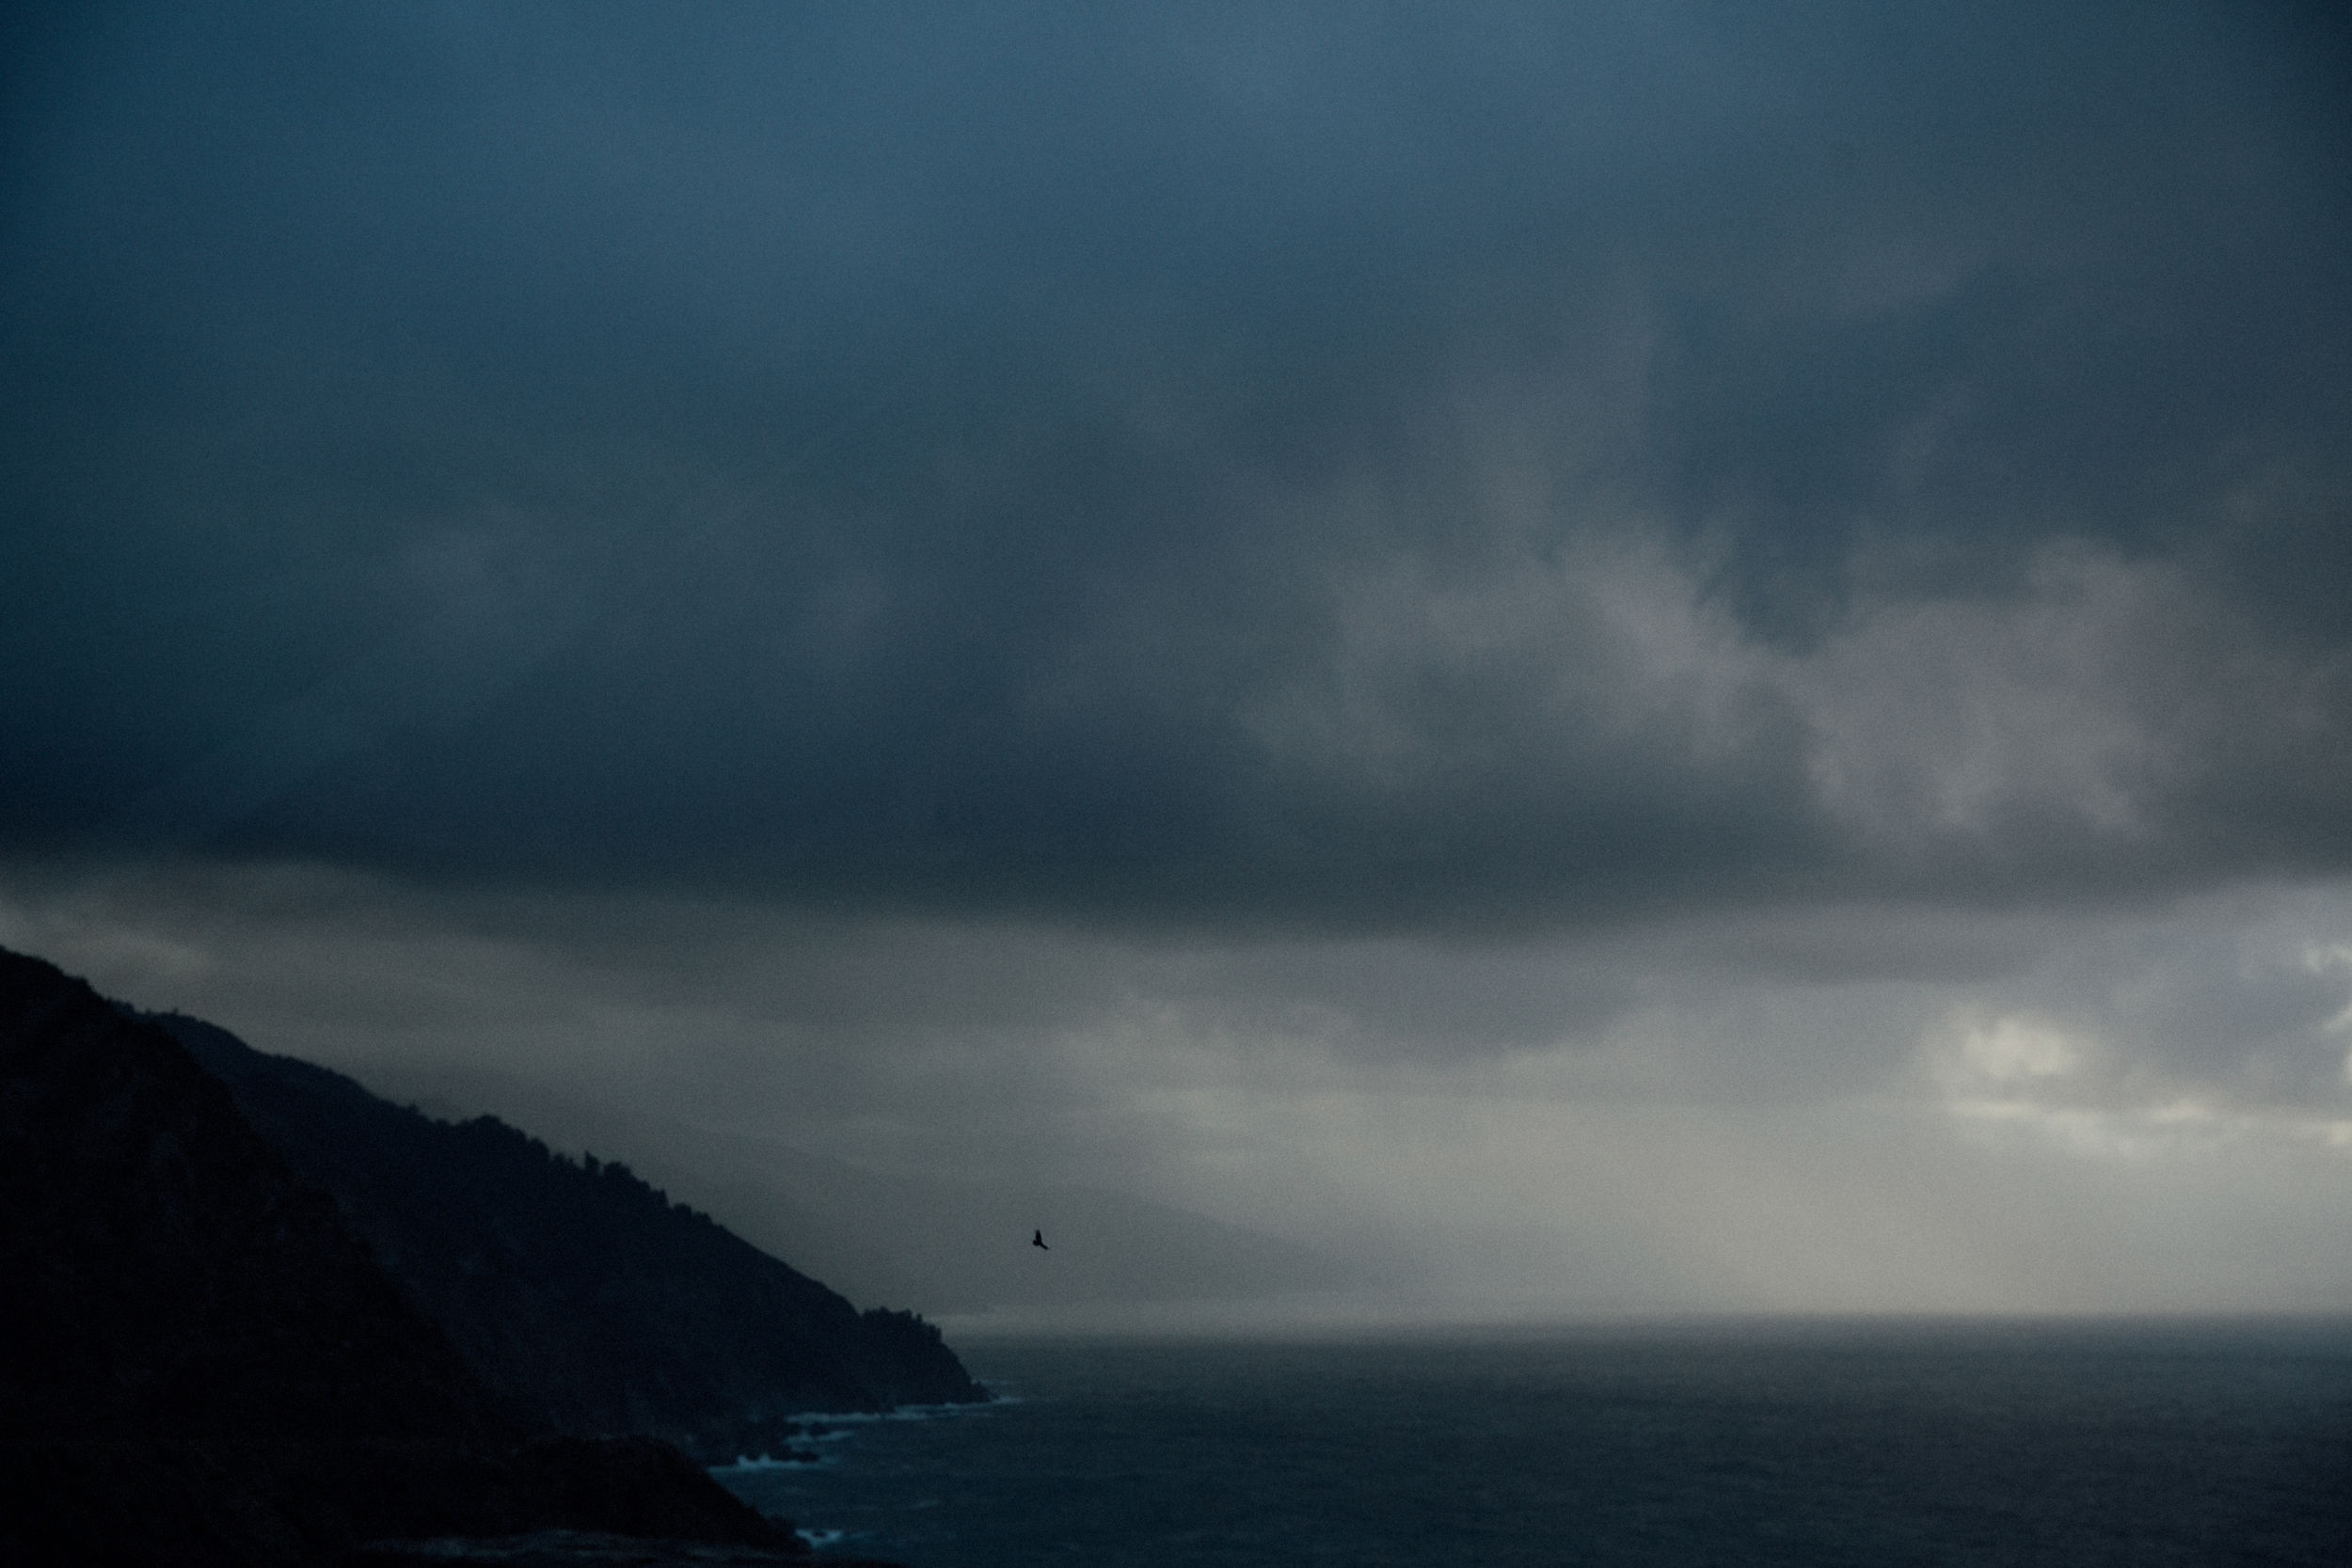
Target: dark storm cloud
(1391, 470)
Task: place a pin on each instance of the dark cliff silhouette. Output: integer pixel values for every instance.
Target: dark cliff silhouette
(578, 1291)
(202, 1365)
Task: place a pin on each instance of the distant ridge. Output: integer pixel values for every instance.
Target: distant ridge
(939, 1243)
(577, 1290)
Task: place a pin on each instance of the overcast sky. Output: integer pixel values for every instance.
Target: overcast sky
(1658, 654)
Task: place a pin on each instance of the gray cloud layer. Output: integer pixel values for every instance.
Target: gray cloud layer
(1231, 465)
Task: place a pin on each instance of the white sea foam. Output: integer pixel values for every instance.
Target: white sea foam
(825, 1426)
(901, 1412)
(764, 1462)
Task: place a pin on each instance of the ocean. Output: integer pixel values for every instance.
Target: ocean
(1815, 1443)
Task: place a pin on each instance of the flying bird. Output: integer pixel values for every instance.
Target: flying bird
(1037, 1239)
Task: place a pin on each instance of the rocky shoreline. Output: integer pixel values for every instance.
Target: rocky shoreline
(211, 1369)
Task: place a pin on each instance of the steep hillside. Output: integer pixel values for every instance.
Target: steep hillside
(201, 1363)
(577, 1290)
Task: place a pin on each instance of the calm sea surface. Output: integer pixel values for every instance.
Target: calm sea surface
(1813, 1444)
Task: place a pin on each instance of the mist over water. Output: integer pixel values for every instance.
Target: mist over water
(1809, 1443)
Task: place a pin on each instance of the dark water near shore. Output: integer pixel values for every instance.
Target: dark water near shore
(1783, 1444)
